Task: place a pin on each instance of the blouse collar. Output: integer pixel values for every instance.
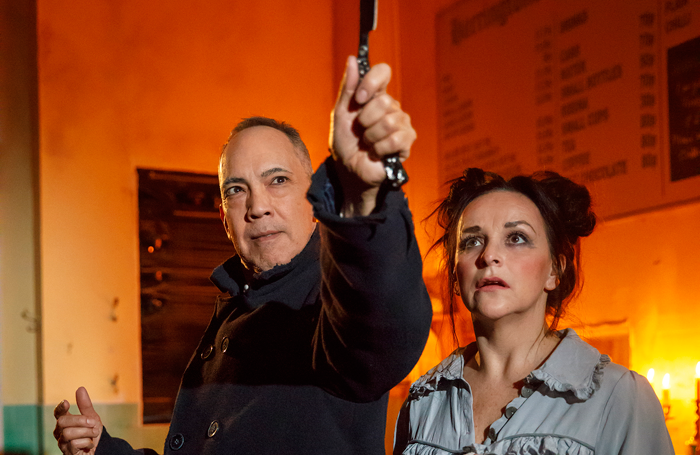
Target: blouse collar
(575, 367)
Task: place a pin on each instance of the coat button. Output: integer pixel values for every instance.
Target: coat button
(527, 392)
(207, 352)
(224, 344)
(213, 428)
(510, 411)
(177, 441)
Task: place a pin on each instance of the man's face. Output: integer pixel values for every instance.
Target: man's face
(264, 207)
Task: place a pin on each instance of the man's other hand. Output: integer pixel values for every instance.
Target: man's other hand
(77, 433)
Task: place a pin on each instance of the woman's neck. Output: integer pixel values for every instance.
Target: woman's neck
(511, 347)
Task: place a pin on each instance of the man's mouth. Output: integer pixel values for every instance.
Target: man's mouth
(492, 281)
(264, 235)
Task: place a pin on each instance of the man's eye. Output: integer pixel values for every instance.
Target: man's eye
(279, 179)
(233, 190)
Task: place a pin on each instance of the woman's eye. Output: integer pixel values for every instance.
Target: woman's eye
(470, 242)
(517, 238)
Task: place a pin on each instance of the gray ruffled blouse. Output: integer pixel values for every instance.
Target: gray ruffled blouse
(576, 403)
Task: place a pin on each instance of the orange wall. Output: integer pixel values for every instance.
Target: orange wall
(155, 84)
(644, 270)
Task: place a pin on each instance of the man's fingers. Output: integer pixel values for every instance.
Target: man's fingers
(384, 122)
(76, 446)
(349, 84)
(67, 422)
(61, 409)
(374, 82)
(84, 403)
(76, 433)
(398, 142)
(78, 421)
(377, 109)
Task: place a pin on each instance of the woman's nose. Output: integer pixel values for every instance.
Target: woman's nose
(491, 255)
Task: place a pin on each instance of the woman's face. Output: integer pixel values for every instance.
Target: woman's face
(504, 266)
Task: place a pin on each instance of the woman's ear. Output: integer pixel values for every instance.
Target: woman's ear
(555, 274)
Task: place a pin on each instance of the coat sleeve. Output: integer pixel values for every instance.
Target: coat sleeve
(376, 312)
(633, 421)
(115, 446)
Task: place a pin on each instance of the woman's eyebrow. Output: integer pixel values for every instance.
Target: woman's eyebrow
(471, 230)
(511, 224)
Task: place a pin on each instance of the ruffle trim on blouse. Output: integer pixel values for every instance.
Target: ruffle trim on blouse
(450, 368)
(542, 445)
(575, 367)
(520, 445)
(581, 391)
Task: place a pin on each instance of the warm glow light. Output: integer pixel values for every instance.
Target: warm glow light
(697, 370)
(650, 375)
(666, 383)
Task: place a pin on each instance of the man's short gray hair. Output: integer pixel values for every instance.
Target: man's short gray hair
(288, 130)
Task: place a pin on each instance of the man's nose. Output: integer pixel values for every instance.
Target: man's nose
(259, 204)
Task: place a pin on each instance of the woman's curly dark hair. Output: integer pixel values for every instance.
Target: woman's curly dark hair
(564, 205)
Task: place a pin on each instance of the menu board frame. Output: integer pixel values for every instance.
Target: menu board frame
(605, 93)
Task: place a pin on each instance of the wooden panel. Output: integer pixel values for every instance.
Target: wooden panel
(181, 241)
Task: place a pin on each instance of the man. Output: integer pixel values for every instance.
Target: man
(320, 322)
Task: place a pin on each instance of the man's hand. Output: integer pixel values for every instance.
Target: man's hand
(366, 125)
(77, 434)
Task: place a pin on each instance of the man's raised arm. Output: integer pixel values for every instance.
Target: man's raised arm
(376, 311)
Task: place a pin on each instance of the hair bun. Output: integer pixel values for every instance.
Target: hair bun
(573, 203)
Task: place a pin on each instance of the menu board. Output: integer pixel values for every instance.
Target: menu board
(605, 93)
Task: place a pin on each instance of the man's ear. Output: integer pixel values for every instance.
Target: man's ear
(554, 277)
(222, 215)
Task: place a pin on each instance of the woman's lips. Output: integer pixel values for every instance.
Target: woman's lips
(491, 284)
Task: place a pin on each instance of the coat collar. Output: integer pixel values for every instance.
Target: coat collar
(293, 284)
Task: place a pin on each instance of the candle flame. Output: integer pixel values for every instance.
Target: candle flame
(697, 370)
(650, 374)
(666, 383)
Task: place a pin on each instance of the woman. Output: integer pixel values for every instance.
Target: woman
(511, 253)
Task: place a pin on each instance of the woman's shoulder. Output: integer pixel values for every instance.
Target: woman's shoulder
(612, 378)
(578, 368)
(626, 384)
(450, 368)
(631, 414)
